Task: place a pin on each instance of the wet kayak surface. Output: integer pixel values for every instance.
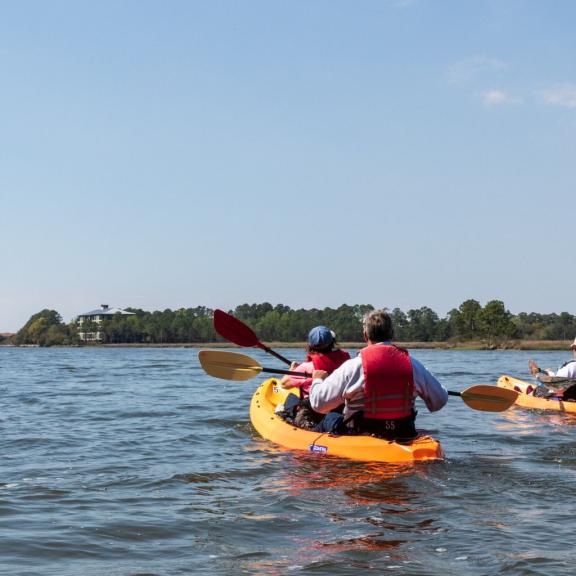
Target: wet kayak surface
(133, 461)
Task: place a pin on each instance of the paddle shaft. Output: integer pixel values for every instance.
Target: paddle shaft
(234, 366)
(471, 399)
(237, 332)
(288, 372)
(306, 375)
(274, 353)
(477, 400)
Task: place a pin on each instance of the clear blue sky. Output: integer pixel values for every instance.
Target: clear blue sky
(400, 153)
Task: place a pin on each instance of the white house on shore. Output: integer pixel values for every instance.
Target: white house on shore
(93, 321)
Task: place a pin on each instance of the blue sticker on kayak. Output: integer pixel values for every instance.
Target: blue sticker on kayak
(318, 449)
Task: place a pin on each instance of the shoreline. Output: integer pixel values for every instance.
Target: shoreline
(562, 345)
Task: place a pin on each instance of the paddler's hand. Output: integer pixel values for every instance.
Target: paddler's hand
(286, 381)
(533, 367)
(319, 374)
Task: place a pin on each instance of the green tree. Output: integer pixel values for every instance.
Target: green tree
(44, 329)
(563, 327)
(401, 325)
(465, 321)
(442, 332)
(495, 321)
(422, 324)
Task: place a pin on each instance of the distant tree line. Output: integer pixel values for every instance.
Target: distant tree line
(492, 324)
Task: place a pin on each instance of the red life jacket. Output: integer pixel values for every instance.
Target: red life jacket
(388, 382)
(328, 361)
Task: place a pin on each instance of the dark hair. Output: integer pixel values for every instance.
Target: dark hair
(377, 325)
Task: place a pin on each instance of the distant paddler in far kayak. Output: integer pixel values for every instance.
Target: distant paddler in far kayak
(561, 382)
(378, 387)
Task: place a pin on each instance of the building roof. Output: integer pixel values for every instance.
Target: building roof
(105, 310)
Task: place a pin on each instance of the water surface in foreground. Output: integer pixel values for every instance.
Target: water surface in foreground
(133, 461)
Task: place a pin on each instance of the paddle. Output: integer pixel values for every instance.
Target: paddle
(234, 366)
(239, 367)
(238, 333)
(487, 398)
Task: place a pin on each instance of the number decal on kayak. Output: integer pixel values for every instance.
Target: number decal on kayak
(318, 449)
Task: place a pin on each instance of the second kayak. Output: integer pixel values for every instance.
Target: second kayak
(364, 448)
(526, 398)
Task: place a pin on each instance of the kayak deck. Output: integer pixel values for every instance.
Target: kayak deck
(555, 380)
(364, 448)
(526, 399)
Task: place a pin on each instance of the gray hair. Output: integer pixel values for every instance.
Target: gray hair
(377, 325)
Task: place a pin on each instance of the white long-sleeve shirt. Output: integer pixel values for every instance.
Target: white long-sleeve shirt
(567, 370)
(346, 384)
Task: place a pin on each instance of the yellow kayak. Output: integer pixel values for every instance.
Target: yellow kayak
(526, 399)
(363, 448)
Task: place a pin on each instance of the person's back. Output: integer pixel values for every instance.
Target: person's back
(388, 403)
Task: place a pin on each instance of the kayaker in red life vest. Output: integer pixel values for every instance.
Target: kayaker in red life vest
(378, 387)
(321, 354)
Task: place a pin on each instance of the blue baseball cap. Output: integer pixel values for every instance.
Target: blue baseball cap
(321, 337)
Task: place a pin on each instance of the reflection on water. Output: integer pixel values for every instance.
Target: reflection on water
(134, 462)
(341, 509)
(311, 473)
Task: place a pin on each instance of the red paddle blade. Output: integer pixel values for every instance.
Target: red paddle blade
(234, 330)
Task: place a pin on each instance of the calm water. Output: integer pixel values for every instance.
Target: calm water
(124, 462)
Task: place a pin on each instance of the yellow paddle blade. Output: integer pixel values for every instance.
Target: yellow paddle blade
(228, 365)
(488, 398)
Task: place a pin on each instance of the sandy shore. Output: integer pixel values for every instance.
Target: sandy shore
(477, 345)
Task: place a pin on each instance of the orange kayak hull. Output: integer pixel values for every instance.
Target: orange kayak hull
(363, 448)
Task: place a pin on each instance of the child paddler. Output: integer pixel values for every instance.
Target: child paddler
(322, 353)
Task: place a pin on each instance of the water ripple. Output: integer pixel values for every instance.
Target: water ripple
(133, 461)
